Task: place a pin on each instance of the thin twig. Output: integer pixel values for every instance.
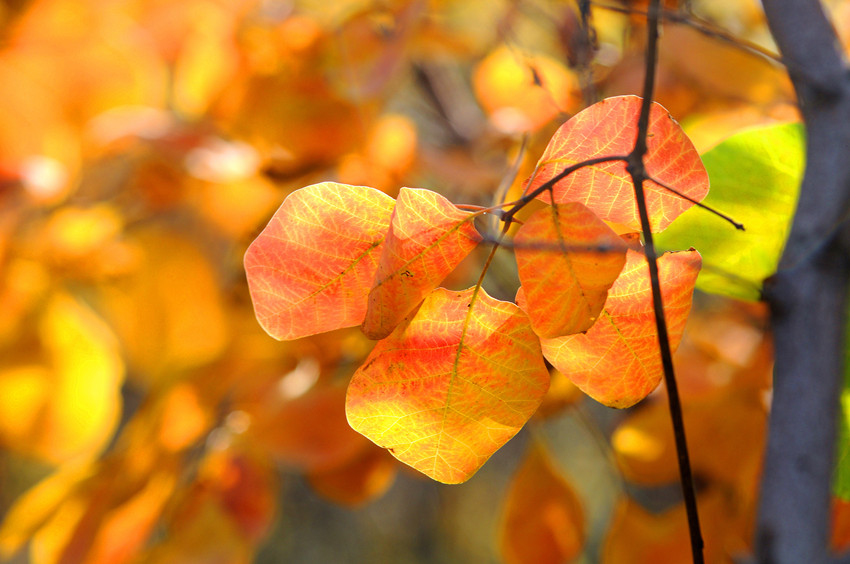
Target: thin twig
(721, 215)
(702, 26)
(549, 184)
(636, 168)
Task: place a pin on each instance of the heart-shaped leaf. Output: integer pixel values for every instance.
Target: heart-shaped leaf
(451, 385)
(617, 361)
(312, 267)
(609, 128)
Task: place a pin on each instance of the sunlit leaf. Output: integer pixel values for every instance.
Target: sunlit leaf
(311, 269)
(617, 361)
(543, 520)
(451, 385)
(66, 404)
(428, 238)
(522, 93)
(609, 128)
(565, 286)
(755, 178)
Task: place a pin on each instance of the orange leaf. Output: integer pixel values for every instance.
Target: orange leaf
(311, 269)
(309, 432)
(617, 361)
(543, 520)
(451, 385)
(565, 287)
(428, 238)
(609, 128)
(637, 536)
(363, 479)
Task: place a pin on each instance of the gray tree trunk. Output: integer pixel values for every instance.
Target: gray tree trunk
(807, 298)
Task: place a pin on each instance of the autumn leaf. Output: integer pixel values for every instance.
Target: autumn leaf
(428, 238)
(64, 403)
(522, 93)
(609, 128)
(565, 286)
(543, 519)
(311, 269)
(637, 536)
(309, 432)
(451, 385)
(358, 481)
(755, 178)
(617, 361)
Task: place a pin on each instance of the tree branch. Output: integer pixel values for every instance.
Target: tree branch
(807, 298)
(637, 170)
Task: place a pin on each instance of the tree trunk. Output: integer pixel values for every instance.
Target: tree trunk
(807, 298)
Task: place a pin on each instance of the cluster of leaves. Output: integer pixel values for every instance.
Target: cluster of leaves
(455, 374)
(145, 416)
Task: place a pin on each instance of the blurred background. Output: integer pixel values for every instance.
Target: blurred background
(146, 417)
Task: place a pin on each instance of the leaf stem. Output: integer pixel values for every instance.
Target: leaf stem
(721, 215)
(517, 205)
(637, 170)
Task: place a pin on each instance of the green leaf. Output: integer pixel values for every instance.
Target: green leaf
(755, 178)
(841, 476)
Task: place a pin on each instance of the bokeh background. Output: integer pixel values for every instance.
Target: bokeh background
(145, 416)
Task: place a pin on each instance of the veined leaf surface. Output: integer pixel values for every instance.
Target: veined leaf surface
(428, 238)
(609, 128)
(755, 178)
(565, 286)
(617, 361)
(311, 269)
(451, 385)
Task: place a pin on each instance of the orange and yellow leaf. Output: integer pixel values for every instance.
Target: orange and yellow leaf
(311, 269)
(451, 385)
(609, 128)
(543, 519)
(428, 238)
(617, 361)
(565, 286)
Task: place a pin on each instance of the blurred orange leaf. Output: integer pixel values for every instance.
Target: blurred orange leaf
(639, 537)
(311, 269)
(609, 128)
(564, 287)
(358, 481)
(451, 385)
(617, 361)
(428, 238)
(168, 312)
(310, 431)
(522, 93)
(543, 519)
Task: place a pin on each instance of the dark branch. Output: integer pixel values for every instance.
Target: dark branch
(637, 170)
(808, 298)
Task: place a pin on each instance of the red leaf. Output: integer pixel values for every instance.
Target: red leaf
(428, 238)
(311, 269)
(617, 362)
(451, 385)
(564, 286)
(609, 128)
